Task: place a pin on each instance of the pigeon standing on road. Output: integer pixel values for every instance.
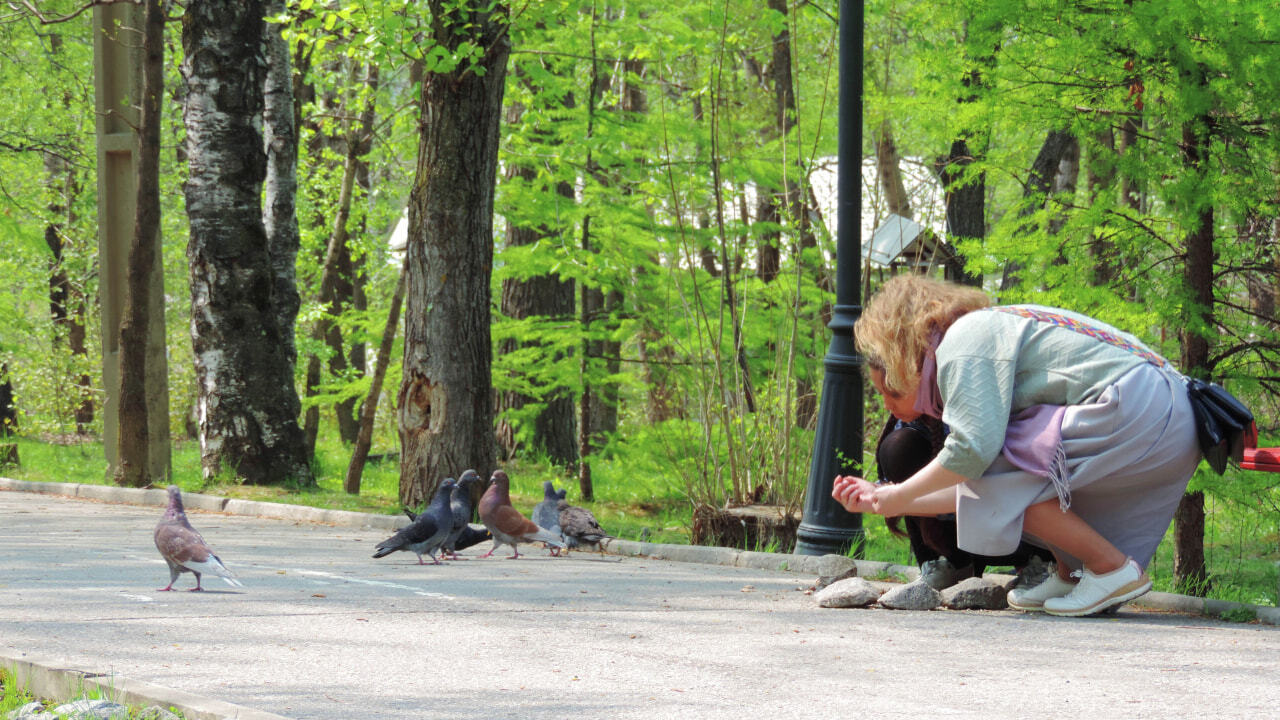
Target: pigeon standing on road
(579, 526)
(506, 523)
(545, 514)
(462, 535)
(183, 548)
(428, 530)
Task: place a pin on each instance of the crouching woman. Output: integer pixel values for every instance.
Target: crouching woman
(1063, 429)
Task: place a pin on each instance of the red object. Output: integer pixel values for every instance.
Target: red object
(1256, 458)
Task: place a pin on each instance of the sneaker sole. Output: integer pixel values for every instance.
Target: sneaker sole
(1143, 585)
(1027, 608)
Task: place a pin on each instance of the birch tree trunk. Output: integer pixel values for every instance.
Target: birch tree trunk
(246, 401)
(446, 398)
(279, 211)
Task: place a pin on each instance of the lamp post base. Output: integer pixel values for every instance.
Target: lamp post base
(819, 540)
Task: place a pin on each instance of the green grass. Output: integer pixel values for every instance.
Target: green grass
(1242, 544)
(13, 696)
(626, 506)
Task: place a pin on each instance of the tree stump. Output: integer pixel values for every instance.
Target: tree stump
(751, 527)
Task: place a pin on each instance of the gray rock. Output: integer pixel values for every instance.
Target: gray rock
(975, 594)
(825, 581)
(86, 709)
(851, 592)
(831, 565)
(912, 596)
(155, 712)
(31, 711)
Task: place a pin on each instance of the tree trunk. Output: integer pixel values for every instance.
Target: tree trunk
(445, 399)
(1189, 570)
(549, 297)
(966, 202)
(1190, 574)
(8, 419)
(246, 400)
(280, 213)
(338, 288)
(889, 172)
(134, 440)
(369, 410)
(1100, 178)
(1039, 186)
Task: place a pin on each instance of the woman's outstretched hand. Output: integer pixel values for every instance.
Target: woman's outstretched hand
(854, 493)
(859, 496)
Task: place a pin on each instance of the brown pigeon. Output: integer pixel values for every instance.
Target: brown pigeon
(506, 523)
(183, 548)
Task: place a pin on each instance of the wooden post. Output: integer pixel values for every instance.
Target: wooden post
(117, 61)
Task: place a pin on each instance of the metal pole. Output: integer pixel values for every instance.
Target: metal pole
(826, 527)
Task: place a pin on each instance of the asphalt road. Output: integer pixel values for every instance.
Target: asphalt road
(321, 630)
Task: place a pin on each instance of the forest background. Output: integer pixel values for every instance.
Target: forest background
(658, 262)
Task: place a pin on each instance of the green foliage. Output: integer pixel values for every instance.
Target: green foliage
(638, 141)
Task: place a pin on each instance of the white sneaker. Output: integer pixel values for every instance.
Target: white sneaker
(1032, 599)
(1095, 593)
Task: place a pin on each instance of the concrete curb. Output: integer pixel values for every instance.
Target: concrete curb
(47, 678)
(828, 565)
(209, 503)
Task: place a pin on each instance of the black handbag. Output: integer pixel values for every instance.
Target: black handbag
(1221, 423)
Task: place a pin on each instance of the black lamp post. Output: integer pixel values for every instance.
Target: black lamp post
(837, 449)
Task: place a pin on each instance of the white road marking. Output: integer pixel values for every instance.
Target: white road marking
(375, 583)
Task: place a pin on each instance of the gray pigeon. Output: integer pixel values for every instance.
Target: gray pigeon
(506, 523)
(428, 530)
(545, 514)
(460, 508)
(579, 526)
(183, 548)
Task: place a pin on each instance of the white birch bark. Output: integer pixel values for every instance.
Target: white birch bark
(247, 405)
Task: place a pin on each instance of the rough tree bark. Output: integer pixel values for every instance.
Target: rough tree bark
(134, 441)
(279, 207)
(246, 402)
(445, 399)
(1190, 573)
(547, 296)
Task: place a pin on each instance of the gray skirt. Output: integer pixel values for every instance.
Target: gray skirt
(1130, 455)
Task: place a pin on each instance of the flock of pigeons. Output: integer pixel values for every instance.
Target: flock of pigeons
(443, 527)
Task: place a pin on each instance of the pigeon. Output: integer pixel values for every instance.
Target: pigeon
(579, 526)
(506, 523)
(471, 535)
(545, 514)
(183, 548)
(460, 507)
(427, 531)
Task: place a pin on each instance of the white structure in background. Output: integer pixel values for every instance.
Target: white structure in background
(885, 237)
(399, 238)
(904, 243)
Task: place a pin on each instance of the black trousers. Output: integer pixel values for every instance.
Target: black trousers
(904, 449)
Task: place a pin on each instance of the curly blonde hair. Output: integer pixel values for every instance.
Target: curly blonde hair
(900, 319)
